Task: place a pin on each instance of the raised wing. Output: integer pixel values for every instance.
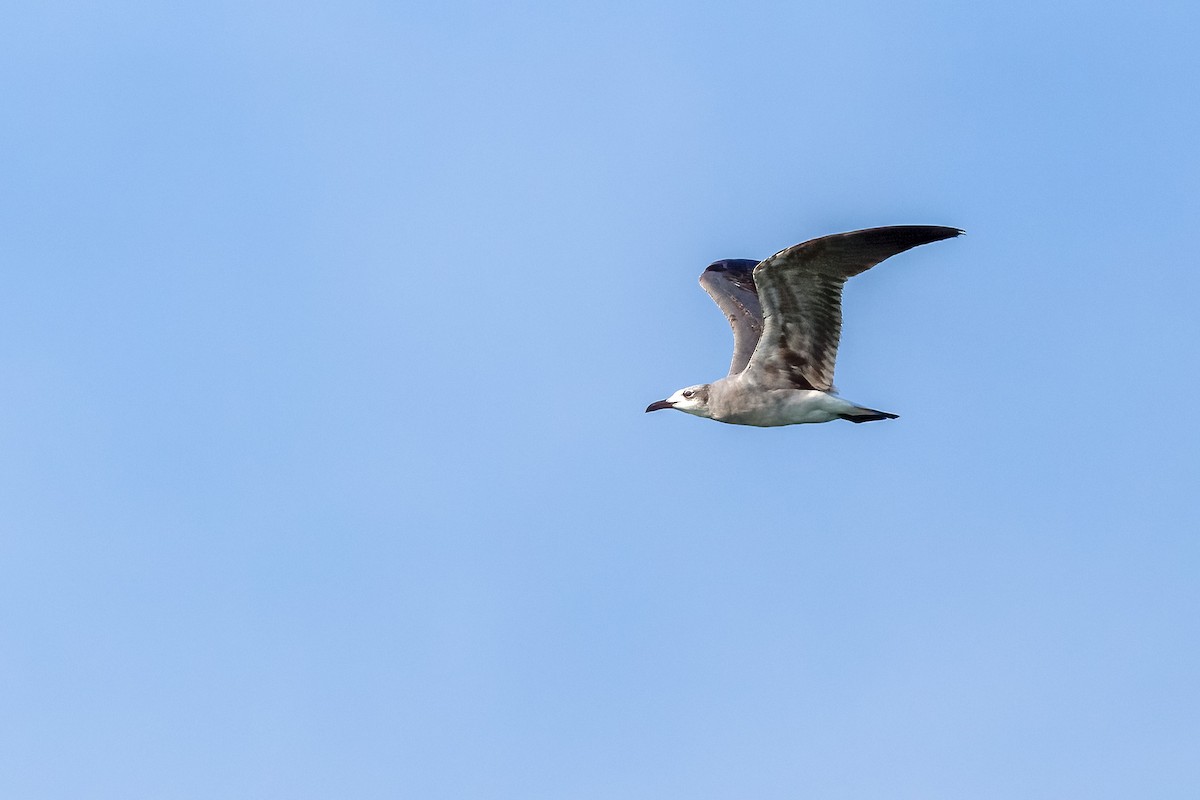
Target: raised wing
(801, 293)
(731, 284)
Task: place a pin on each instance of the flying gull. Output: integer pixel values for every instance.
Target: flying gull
(786, 315)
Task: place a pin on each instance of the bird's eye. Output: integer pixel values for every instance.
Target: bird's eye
(688, 393)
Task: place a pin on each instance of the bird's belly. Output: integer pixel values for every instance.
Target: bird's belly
(787, 407)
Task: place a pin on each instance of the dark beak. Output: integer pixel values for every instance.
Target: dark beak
(659, 405)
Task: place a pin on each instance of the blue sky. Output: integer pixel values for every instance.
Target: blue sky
(327, 331)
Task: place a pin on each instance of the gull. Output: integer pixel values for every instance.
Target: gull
(786, 315)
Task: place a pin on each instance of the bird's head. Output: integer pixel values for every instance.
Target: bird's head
(693, 400)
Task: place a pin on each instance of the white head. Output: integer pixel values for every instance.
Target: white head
(692, 400)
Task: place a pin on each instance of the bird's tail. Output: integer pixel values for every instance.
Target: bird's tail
(859, 414)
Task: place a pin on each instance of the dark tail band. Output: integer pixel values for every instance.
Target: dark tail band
(868, 416)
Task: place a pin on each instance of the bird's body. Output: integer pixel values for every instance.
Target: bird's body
(786, 316)
(739, 402)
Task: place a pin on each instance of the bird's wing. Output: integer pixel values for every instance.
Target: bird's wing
(730, 283)
(801, 293)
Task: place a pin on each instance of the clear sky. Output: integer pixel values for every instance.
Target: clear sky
(326, 334)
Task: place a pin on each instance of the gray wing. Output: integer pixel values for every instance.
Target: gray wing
(730, 283)
(801, 293)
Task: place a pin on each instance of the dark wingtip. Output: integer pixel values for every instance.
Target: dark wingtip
(732, 265)
(931, 233)
(896, 239)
